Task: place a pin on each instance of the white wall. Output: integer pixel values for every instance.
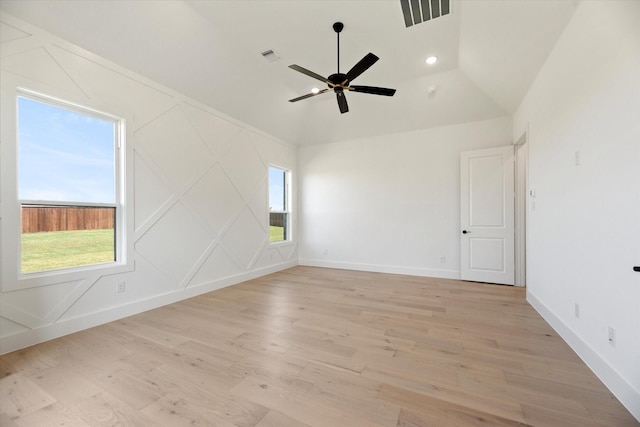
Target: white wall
(198, 182)
(390, 203)
(584, 234)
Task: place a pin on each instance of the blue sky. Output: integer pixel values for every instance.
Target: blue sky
(64, 155)
(276, 189)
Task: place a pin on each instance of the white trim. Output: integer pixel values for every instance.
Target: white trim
(287, 203)
(378, 268)
(12, 276)
(60, 102)
(51, 203)
(619, 386)
(520, 200)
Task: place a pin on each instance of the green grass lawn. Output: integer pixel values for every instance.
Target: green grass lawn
(63, 249)
(276, 234)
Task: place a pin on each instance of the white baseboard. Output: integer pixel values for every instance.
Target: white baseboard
(68, 326)
(620, 388)
(378, 268)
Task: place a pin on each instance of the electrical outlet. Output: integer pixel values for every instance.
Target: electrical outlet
(443, 259)
(576, 309)
(120, 288)
(612, 336)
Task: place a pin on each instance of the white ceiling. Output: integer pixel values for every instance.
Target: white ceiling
(490, 52)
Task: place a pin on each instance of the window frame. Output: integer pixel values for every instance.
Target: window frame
(12, 276)
(287, 204)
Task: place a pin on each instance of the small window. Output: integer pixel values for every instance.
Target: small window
(278, 205)
(68, 176)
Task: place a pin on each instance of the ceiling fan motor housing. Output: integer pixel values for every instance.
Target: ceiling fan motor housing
(338, 80)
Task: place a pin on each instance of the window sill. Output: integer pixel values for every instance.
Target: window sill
(282, 243)
(51, 277)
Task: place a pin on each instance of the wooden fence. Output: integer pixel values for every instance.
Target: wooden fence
(61, 218)
(277, 219)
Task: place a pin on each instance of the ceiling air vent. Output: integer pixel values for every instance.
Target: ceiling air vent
(417, 11)
(270, 55)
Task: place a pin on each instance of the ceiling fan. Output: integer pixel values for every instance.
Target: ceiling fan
(340, 82)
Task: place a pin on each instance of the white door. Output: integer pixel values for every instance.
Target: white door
(487, 215)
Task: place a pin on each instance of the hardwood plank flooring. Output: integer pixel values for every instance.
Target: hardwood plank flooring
(314, 347)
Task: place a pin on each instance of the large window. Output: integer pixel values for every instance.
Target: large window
(278, 204)
(68, 186)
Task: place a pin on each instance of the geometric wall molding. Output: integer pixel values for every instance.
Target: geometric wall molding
(9, 33)
(244, 238)
(37, 65)
(176, 256)
(120, 93)
(38, 306)
(243, 165)
(215, 199)
(200, 202)
(151, 191)
(217, 266)
(174, 147)
(216, 132)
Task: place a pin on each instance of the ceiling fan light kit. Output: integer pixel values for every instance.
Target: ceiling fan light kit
(339, 82)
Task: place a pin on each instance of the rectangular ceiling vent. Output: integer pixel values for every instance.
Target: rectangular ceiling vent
(417, 11)
(270, 55)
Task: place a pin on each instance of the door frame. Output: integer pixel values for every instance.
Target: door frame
(521, 146)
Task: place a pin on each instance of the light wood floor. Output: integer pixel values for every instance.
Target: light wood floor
(314, 347)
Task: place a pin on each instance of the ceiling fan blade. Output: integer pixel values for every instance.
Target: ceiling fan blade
(362, 66)
(342, 102)
(309, 73)
(373, 90)
(309, 95)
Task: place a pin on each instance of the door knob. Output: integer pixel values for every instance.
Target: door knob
(465, 232)
(637, 268)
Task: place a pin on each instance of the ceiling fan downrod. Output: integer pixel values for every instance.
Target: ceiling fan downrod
(337, 27)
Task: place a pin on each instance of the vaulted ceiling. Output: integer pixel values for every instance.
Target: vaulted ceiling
(489, 51)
